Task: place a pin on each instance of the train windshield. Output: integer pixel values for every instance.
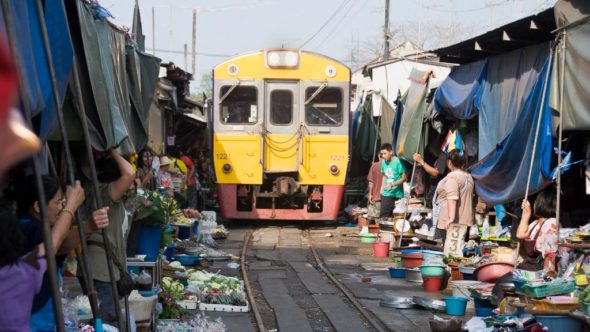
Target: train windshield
(281, 107)
(240, 106)
(325, 109)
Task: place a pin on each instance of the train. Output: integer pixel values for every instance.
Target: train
(280, 126)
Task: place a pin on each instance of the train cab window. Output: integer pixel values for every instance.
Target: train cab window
(240, 106)
(325, 109)
(281, 107)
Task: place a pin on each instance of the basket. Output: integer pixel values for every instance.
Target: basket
(546, 305)
(549, 289)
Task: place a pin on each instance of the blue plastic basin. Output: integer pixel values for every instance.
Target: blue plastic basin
(560, 323)
(397, 272)
(456, 305)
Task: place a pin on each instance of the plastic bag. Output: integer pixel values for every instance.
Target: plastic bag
(144, 281)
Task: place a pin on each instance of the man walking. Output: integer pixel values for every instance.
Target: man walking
(394, 176)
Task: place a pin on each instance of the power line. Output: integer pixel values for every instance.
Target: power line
(338, 25)
(326, 23)
(215, 55)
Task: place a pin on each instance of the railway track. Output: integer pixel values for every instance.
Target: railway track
(291, 289)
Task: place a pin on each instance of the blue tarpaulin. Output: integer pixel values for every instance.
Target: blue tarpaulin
(455, 95)
(508, 82)
(33, 62)
(495, 88)
(501, 176)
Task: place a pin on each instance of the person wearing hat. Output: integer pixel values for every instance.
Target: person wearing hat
(165, 178)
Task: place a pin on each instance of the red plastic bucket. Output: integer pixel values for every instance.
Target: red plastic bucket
(431, 284)
(381, 249)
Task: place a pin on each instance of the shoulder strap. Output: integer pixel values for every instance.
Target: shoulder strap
(109, 252)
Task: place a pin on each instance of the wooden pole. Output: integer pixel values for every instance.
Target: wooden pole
(153, 31)
(185, 57)
(386, 33)
(194, 66)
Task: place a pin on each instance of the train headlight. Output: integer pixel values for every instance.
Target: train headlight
(334, 170)
(226, 168)
(282, 58)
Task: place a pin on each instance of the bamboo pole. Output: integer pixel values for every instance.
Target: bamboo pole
(563, 47)
(47, 240)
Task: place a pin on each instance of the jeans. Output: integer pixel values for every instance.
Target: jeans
(191, 197)
(107, 305)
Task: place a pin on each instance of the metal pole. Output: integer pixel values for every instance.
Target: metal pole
(62, 129)
(399, 244)
(97, 200)
(528, 180)
(563, 47)
(386, 33)
(47, 240)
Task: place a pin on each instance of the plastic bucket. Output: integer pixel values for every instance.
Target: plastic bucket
(381, 249)
(397, 272)
(184, 232)
(456, 305)
(461, 288)
(412, 260)
(560, 323)
(483, 308)
(149, 242)
(432, 270)
(431, 284)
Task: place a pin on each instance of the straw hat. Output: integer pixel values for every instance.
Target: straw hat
(165, 161)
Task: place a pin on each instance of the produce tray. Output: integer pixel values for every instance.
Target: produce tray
(224, 307)
(549, 289)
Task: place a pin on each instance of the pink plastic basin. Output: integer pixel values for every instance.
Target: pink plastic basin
(491, 272)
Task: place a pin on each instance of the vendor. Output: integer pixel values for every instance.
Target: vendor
(375, 179)
(539, 240)
(453, 199)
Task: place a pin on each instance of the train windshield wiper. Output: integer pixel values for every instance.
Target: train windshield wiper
(316, 93)
(230, 90)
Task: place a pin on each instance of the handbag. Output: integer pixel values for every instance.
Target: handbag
(533, 260)
(125, 283)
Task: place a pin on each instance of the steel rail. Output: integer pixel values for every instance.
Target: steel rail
(253, 305)
(47, 240)
(375, 322)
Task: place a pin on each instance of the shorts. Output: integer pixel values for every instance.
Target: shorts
(387, 206)
(374, 209)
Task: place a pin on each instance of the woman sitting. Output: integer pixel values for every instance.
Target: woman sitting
(539, 240)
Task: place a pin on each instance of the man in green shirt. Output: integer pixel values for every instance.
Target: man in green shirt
(394, 176)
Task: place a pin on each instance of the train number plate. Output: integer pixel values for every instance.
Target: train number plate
(337, 157)
(222, 156)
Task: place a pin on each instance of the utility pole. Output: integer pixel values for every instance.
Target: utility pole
(386, 33)
(153, 31)
(185, 56)
(194, 70)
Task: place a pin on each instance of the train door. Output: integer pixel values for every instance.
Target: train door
(282, 127)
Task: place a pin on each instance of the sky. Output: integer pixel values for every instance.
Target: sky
(341, 29)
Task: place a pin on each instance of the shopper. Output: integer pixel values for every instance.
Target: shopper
(453, 199)
(164, 176)
(145, 177)
(115, 175)
(539, 239)
(394, 176)
(58, 206)
(190, 180)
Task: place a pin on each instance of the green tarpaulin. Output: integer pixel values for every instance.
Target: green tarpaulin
(121, 80)
(410, 130)
(576, 81)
